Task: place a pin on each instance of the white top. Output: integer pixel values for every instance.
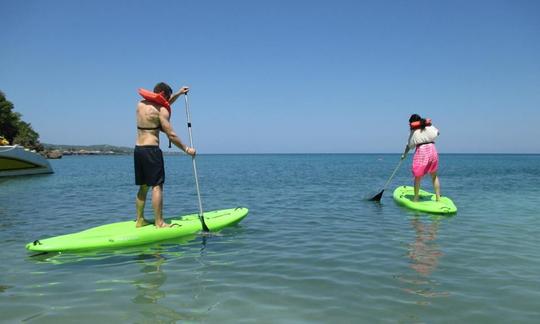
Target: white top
(420, 136)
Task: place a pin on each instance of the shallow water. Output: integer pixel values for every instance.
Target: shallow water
(311, 249)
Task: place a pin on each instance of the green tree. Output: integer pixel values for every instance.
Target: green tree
(14, 129)
(27, 137)
(8, 119)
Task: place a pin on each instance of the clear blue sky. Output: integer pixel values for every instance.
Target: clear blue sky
(280, 76)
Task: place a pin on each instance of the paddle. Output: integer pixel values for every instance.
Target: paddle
(378, 196)
(201, 215)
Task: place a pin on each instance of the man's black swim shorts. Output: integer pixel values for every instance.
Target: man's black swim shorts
(149, 166)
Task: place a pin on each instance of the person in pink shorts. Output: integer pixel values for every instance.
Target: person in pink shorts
(426, 158)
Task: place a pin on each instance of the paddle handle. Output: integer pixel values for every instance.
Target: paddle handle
(201, 214)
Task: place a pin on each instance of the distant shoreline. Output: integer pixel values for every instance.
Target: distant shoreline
(60, 150)
(106, 149)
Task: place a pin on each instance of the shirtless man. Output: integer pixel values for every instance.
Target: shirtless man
(152, 118)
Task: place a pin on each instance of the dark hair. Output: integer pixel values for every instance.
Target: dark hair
(165, 88)
(416, 117)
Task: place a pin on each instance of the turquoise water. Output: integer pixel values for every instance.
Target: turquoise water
(311, 250)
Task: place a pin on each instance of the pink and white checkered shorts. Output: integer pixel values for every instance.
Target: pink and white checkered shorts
(425, 160)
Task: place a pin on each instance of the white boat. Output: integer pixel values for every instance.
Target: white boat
(16, 160)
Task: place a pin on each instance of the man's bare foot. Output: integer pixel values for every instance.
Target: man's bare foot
(415, 199)
(141, 222)
(163, 225)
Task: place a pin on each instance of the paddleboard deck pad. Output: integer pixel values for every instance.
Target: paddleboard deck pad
(404, 196)
(125, 234)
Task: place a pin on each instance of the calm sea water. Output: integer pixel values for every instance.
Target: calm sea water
(311, 250)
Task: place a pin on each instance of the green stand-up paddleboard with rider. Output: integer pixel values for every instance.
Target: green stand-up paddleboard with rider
(425, 161)
(153, 116)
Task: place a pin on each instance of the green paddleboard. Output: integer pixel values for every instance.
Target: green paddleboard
(404, 196)
(125, 234)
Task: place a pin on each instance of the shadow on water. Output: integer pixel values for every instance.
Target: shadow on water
(150, 299)
(169, 249)
(424, 254)
(149, 292)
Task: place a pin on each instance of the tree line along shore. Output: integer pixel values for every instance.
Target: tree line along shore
(15, 131)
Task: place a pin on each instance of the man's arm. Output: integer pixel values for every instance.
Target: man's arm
(167, 129)
(180, 92)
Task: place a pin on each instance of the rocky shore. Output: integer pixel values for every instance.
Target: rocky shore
(53, 151)
(54, 154)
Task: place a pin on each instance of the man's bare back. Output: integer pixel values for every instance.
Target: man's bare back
(148, 118)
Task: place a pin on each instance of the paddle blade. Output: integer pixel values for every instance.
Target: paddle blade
(204, 227)
(377, 197)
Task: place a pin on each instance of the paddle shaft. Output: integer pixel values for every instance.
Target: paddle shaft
(393, 173)
(188, 116)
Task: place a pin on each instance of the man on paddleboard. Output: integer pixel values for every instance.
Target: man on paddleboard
(153, 115)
